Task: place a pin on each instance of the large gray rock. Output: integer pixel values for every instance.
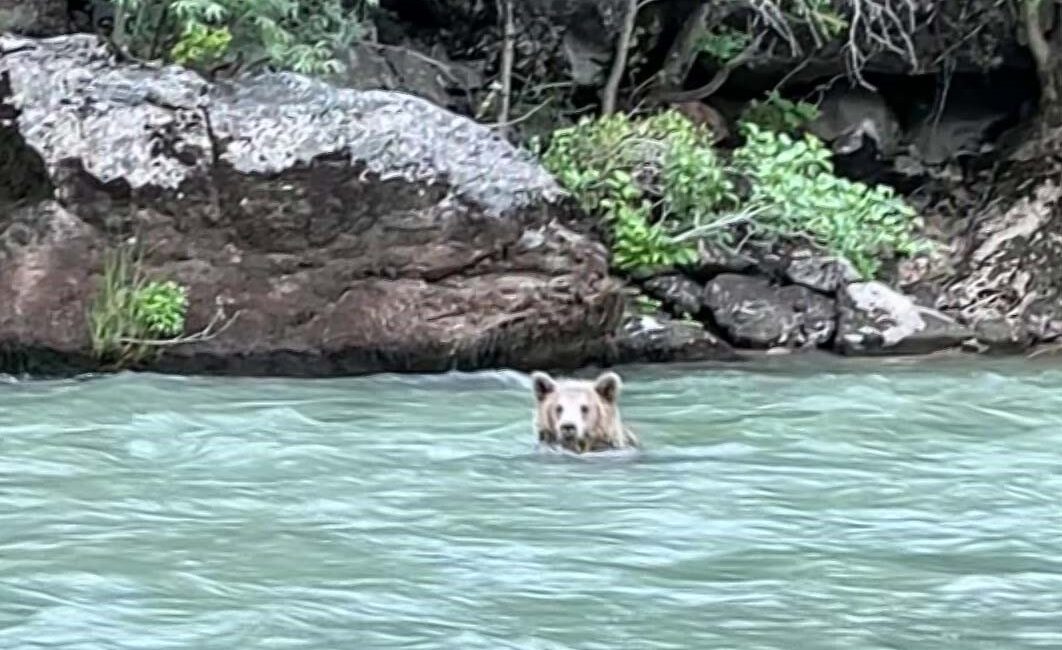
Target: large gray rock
(661, 339)
(678, 293)
(878, 320)
(755, 313)
(351, 231)
(714, 259)
(822, 273)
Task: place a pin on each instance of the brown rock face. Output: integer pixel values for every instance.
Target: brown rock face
(350, 231)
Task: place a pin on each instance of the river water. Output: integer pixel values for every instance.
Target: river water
(846, 505)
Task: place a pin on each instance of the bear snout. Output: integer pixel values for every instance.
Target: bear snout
(569, 430)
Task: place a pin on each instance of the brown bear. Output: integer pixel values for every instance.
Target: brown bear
(580, 416)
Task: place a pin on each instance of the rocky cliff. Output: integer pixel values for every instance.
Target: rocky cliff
(345, 231)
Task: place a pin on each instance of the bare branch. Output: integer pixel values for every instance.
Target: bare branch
(509, 40)
(619, 61)
(1040, 49)
(524, 117)
(719, 79)
(681, 55)
(204, 334)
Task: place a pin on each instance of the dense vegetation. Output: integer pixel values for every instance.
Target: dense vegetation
(660, 183)
(660, 186)
(301, 35)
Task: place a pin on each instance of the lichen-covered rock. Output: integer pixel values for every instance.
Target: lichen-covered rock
(753, 312)
(875, 319)
(678, 293)
(351, 231)
(822, 273)
(1008, 284)
(659, 338)
(713, 260)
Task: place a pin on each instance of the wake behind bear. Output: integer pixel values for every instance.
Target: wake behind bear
(580, 416)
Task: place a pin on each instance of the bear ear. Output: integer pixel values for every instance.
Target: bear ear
(608, 386)
(543, 384)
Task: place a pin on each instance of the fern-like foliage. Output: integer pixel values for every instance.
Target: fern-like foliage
(299, 35)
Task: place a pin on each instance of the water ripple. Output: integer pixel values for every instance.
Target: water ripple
(848, 505)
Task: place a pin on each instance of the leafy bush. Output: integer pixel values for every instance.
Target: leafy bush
(776, 113)
(131, 313)
(201, 44)
(659, 186)
(300, 35)
(821, 17)
(724, 43)
(795, 193)
(648, 179)
(159, 308)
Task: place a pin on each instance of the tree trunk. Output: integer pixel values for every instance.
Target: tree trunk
(1046, 51)
(683, 51)
(610, 94)
(508, 47)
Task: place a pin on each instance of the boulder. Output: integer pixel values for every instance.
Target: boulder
(678, 293)
(822, 273)
(714, 259)
(753, 312)
(34, 17)
(1008, 281)
(345, 231)
(659, 338)
(878, 320)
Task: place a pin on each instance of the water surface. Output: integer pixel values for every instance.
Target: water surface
(855, 506)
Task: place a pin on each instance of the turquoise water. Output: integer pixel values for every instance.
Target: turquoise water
(900, 506)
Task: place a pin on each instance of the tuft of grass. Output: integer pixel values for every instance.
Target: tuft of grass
(132, 312)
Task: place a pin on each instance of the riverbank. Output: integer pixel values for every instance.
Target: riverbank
(314, 230)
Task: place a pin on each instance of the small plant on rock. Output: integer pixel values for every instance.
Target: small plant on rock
(131, 310)
(160, 308)
(134, 317)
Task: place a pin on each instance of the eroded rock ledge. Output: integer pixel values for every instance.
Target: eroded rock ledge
(353, 231)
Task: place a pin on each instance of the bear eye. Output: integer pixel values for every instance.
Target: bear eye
(586, 409)
(560, 409)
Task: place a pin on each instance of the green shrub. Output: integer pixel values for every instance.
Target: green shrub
(201, 44)
(724, 43)
(159, 308)
(776, 113)
(132, 313)
(300, 35)
(820, 16)
(795, 193)
(659, 186)
(648, 179)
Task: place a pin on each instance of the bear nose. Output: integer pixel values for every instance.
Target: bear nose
(567, 429)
